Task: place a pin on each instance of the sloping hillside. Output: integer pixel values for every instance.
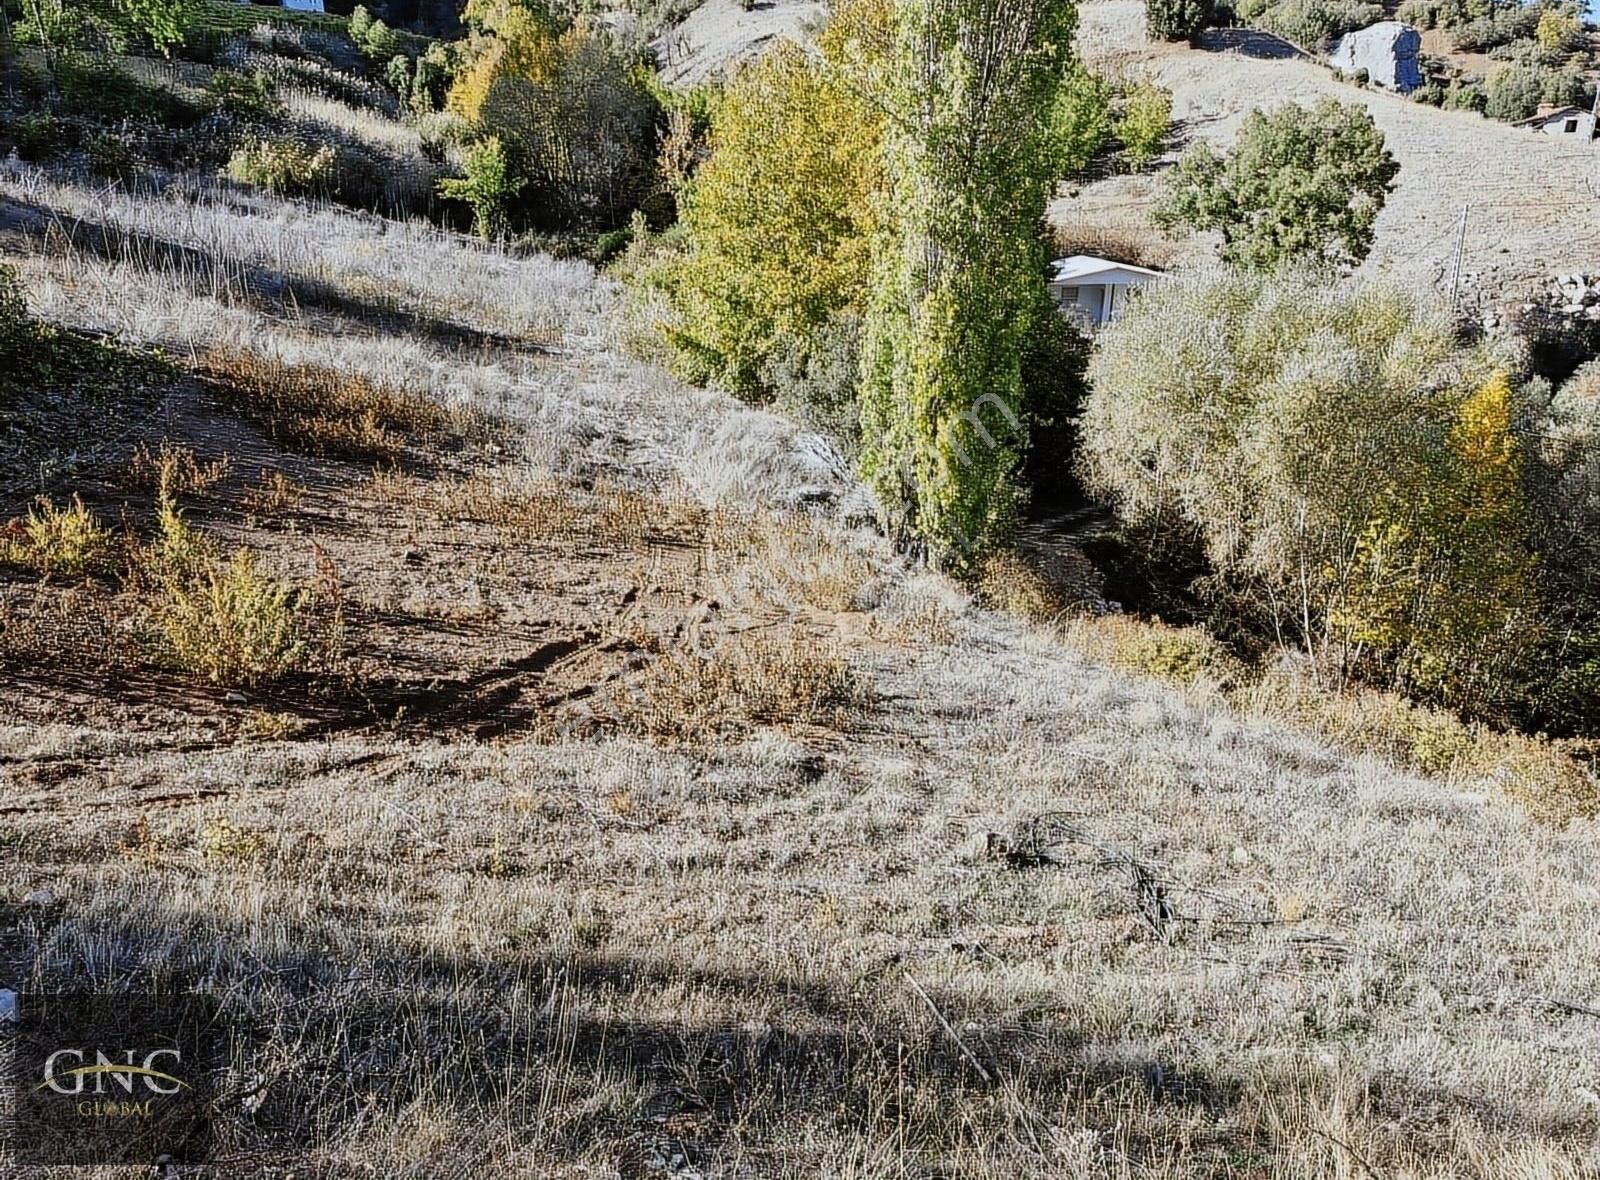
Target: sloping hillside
(648, 829)
(1532, 202)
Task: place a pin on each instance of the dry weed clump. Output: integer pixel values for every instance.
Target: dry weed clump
(274, 495)
(798, 558)
(175, 467)
(1009, 583)
(223, 620)
(223, 841)
(533, 510)
(1553, 781)
(749, 678)
(931, 624)
(326, 412)
(1141, 246)
(234, 625)
(1383, 723)
(68, 542)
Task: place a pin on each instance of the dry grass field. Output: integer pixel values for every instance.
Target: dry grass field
(631, 811)
(1531, 201)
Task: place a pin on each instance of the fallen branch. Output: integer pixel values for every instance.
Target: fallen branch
(945, 1024)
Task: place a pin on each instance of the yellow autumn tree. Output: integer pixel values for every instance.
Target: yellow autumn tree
(509, 40)
(781, 216)
(1443, 583)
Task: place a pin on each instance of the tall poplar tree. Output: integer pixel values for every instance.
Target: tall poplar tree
(958, 275)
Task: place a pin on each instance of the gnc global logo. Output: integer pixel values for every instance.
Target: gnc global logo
(120, 1088)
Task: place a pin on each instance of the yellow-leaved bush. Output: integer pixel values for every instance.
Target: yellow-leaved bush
(781, 216)
(1443, 583)
(510, 41)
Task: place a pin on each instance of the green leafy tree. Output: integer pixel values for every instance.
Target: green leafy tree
(1145, 124)
(1515, 92)
(1300, 183)
(781, 216)
(582, 124)
(490, 186)
(970, 94)
(1558, 32)
(1081, 122)
(1178, 20)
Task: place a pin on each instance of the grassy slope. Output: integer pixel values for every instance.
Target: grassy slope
(520, 936)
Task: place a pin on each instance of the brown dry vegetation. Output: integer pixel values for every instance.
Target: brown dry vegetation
(635, 820)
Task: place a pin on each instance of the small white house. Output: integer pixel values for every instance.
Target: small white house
(1095, 290)
(1554, 120)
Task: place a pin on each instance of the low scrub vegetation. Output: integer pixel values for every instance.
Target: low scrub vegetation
(753, 678)
(322, 411)
(1423, 544)
(228, 623)
(1314, 25)
(63, 541)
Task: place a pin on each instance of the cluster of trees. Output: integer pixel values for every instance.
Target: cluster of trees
(860, 242)
(565, 120)
(1406, 506)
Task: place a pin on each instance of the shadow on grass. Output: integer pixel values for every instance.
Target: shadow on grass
(259, 285)
(578, 1055)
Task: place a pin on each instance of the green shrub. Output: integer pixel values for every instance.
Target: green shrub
(1145, 123)
(1081, 121)
(286, 166)
(1312, 24)
(1559, 32)
(1178, 20)
(489, 186)
(1424, 14)
(1465, 96)
(110, 156)
(37, 135)
(247, 94)
(1298, 183)
(817, 381)
(779, 222)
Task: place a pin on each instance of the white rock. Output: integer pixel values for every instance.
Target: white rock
(38, 897)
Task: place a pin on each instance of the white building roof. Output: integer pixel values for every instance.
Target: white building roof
(1086, 268)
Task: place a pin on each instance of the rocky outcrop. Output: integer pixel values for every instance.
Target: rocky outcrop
(1387, 51)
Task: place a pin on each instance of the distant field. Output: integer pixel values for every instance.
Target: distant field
(222, 16)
